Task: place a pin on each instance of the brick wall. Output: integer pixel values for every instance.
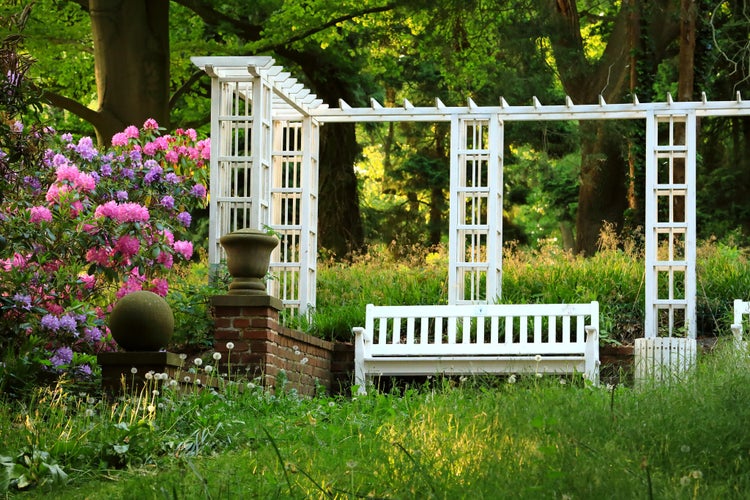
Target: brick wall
(263, 349)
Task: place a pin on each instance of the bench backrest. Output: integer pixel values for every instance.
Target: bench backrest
(507, 329)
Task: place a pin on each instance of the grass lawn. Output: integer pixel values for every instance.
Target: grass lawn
(476, 438)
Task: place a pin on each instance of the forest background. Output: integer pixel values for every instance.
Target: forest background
(101, 65)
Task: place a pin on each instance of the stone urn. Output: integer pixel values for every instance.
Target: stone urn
(248, 257)
(142, 321)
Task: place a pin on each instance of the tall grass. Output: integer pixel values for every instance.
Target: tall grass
(475, 438)
(615, 277)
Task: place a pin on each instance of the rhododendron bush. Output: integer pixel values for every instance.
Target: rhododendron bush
(84, 226)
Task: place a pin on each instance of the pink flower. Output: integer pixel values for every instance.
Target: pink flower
(109, 210)
(39, 214)
(66, 172)
(88, 280)
(127, 245)
(132, 212)
(84, 182)
(165, 259)
(99, 256)
(160, 286)
(150, 124)
(172, 156)
(120, 139)
(184, 248)
(131, 132)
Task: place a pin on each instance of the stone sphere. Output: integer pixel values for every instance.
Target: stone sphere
(142, 321)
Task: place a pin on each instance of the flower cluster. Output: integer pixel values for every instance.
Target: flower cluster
(88, 225)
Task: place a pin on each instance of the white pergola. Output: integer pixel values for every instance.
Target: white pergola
(264, 173)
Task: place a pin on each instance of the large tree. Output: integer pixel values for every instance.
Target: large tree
(131, 46)
(587, 73)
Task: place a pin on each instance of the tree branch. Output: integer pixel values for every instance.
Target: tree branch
(213, 17)
(333, 22)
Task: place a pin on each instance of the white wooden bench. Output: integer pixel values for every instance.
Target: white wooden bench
(477, 339)
(741, 308)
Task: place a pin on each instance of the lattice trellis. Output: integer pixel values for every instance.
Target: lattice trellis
(264, 163)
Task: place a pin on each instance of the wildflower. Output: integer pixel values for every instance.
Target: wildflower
(183, 356)
(216, 356)
(173, 382)
(303, 361)
(250, 385)
(186, 379)
(538, 375)
(563, 381)
(89, 412)
(512, 379)
(538, 358)
(684, 480)
(151, 408)
(149, 375)
(331, 404)
(208, 368)
(134, 370)
(230, 346)
(197, 381)
(696, 474)
(685, 448)
(198, 361)
(155, 392)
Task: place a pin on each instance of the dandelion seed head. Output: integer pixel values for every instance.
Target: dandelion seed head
(134, 370)
(230, 346)
(198, 361)
(217, 356)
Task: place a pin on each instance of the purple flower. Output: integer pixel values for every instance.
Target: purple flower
(86, 148)
(84, 370)
(199, 191)
(33, 183)
(167, 202)
(50, 322)
(184, 218)
(127, 173)
(172, 178)
(68, 323)
(121, 195)
(23, 300)
(62, 356)
(154, 173)
(92, 334)
(106, 169)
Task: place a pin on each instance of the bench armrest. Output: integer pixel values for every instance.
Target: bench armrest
(592, 354)
(362, 342)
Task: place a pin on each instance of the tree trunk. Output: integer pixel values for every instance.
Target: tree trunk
(131, 57)
(339, 222)
(603, 194)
